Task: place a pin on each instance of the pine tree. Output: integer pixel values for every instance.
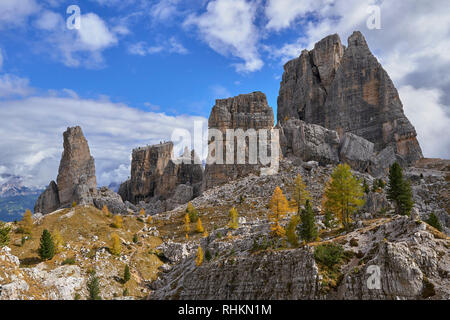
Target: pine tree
(308, 228)
(117, 222)
(199, 258)
(116, 246)
(291, 233)
(234, 219)
(126, 274)
(343, 194)
(366, 187)
(187, 222)
(58, 241)
(199, 228)
(434, 222)
(399, 191)
(27, 222)
(278, 206)
(300, 194)
(4, 234)
(93, 287)
(47, 248)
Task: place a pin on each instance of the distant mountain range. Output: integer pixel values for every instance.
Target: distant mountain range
(15, 197)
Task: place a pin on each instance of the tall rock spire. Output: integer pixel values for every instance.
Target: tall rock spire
(347, 90)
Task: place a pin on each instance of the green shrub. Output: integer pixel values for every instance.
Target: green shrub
(434, 221)
(70, 261)
(208, 256)
(329, 254)
(135, 238)
(4, 234)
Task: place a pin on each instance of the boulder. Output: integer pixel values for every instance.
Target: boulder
(356, 151)
(48, 201)
(112, 200)
(309, 142)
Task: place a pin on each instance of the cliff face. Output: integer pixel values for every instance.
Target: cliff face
(246, 111)
(154, 176)
(347, 90)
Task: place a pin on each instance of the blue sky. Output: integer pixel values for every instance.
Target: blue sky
(136, 69)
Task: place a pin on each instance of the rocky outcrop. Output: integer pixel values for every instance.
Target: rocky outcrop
(246, 111)
(347, 90)
(309, 142)
(155, 176)
(356, 151)
(76, 180)
(76, 176)
(111, 200)
(48, 201)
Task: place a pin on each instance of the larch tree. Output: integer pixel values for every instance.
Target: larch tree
(192, 211)
(234, 219)
(291, 233)
(199, 257)
(142, 213)
(149, 219)
(105, 211)
(117, 221)
(116, 246)
(399, 191)
(344, 194)
(278, 208)
(58, 241)
(27, 222)
(199, 228)
(300, 194)
(187, 223)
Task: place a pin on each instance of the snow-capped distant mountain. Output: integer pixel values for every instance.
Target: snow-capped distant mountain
(12, 186)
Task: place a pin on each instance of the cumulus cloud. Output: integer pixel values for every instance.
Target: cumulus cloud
(172, 45)
(34, 128)
(14, 13)
(77, 47)
(228, 27)
(282, 13)
(164, 9)
(423, 108)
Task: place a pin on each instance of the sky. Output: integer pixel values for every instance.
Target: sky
(136, 70)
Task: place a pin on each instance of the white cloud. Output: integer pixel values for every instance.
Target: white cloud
(11, 85)
(14, 13)
(228, 27)
(34, 128)
(423, 108)
(171, 46)
(77, 47)
(164, 9)
(281, 13)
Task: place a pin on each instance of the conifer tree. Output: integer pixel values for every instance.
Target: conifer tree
(399, 191)
(366, 187)
(199, 258)
(93, 287)
(46, 250)
(116, 246)
(199, 228)
(105, 211)
(234, 219)
(300, 194)
(434, 222)
(328, 219)
(58, 241)
(193, 213)
(27, 222)
(117, 222)
(187, 221)
(126, 274)
(291, 233)
(4, 234)
(308, 228)
(343, 194)
(278, 206)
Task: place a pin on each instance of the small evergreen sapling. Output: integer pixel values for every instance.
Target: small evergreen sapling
(47, 248)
